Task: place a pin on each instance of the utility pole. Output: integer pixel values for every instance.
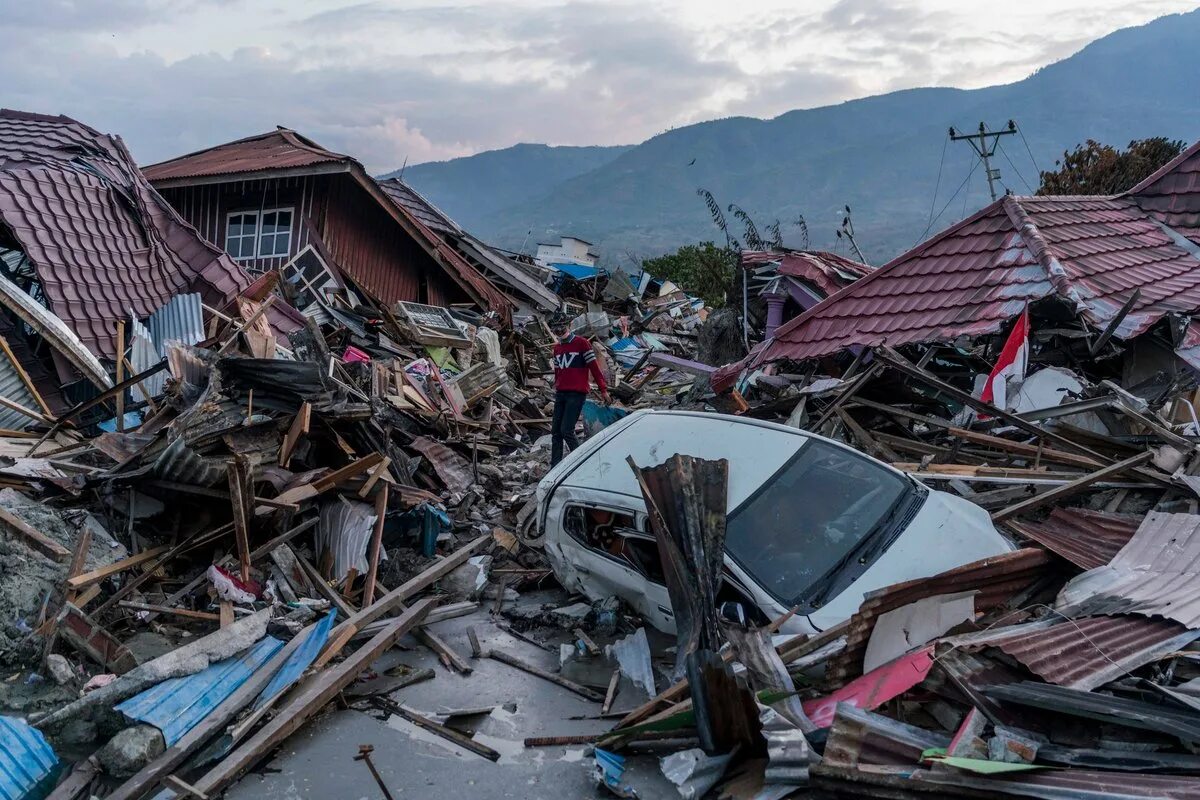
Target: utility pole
(980, 144)
(847, 231)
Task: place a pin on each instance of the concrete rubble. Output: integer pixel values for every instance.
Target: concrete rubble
(958, 565)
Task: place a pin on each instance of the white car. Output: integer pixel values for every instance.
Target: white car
(811, 522)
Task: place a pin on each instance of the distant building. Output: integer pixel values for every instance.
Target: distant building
(569, 250)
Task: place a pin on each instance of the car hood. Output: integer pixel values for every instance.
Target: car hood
(946, 533)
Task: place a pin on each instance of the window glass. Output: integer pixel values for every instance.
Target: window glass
(810, 516)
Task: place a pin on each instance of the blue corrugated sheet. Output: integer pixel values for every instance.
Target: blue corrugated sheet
(175, 706)
(577, 271)
(299, 660)
(26, 760)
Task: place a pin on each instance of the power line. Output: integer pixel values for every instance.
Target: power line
(938, 185)
(985, 149)
(1031, 158)
(974, 166)
(1004, 153)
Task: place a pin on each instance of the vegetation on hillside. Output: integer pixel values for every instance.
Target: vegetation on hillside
(704, 270)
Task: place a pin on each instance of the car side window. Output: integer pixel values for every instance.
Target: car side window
(615, 534)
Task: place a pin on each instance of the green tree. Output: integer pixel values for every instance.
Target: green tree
(1096, 168)
(704, 270)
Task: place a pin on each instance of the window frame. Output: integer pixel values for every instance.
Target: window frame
(257, 215)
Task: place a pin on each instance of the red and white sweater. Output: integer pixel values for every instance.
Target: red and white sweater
(573, 360)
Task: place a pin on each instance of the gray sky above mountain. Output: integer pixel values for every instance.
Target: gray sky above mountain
(420, 80)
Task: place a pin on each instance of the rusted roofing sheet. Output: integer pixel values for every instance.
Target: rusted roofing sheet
(278, 149)
(1156, 574)
(102, 240)
(997, 579)
(861, 737)
(826, 271)
(1087, 539)
(1072, 784)
(1081, 654)
(1090, 252)
(1172, 193)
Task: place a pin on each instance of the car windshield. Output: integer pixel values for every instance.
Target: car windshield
(805, 520)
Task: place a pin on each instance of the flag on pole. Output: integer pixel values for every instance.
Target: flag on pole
(1010, 365)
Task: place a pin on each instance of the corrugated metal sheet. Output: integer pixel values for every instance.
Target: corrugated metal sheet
(972, 278)
(861, 737)
(1156, 574)
(13, 387)
(997, 579)
(180, 320)
(299, 660)
(875, 688)
(1172, 193)
(176, 705)
(143, 355)
(277, 149)
(1183, 724)
(102, 239)
(26, 759)
(1073, 784)
(343, 533)
(452, 468)
(1087, 539)
(1081, 654)
(181, 464)
(825, 271)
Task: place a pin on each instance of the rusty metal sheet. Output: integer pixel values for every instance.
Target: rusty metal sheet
(858, 736)
(1080, 654)
(1087, 539)
(1156, 574)
(1071, 784)
(996, 579)
(876, 687)
(278, 149)
(452, 468)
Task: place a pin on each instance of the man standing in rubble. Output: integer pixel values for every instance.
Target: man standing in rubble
(573, 360)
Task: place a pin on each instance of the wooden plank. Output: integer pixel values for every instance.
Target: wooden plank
(513, 661)
(97, 575)
(867, 442)
(448, 655)
(120, 375)
(1068, 489)
(844, 395)
(240, 493)
(216, 720)
(226, 615)
(322, 587)
(395, 597)
(305, 701)
(78, 560)
(373, 476)
(340, 476)
(264, 550)
(298, 428)
(1023, 449)
(39, 541)
(611, 694)
(376, 545)
(457, 737)
(81, 777)
(24, 376)
(178, 612)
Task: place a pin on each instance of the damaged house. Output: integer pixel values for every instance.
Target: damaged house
(789, 282)
(85, 241)
(281, 201)
(1111, 285)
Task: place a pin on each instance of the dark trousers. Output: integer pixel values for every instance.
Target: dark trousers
(567, 406)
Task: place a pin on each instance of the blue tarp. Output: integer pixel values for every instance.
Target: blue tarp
(597, 417)
(175, 706)
(26, 759)
(299, 660)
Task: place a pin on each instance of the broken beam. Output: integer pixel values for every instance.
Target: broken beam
(1071, 488)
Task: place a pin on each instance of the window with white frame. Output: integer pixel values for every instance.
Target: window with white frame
(259, 234)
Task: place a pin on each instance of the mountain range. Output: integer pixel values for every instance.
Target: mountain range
(886, 156)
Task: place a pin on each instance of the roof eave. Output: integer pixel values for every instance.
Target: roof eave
(330, 168)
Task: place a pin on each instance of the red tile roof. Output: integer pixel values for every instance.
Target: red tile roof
(1090, 252)
(102, 240)
(826, 271)
(278, 149)
(1172, 194)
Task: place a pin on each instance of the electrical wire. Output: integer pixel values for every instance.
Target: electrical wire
(1004, 153)
(938, 185)
(1030, 152)
(974, 166)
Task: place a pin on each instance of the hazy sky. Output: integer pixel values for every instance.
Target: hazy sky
(387, 80)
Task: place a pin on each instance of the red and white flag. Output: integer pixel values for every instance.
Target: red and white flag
(1010, 366)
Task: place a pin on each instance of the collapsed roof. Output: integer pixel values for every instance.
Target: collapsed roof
(284, 153)
(101, 241)
(826, 272)
(1090, 252)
